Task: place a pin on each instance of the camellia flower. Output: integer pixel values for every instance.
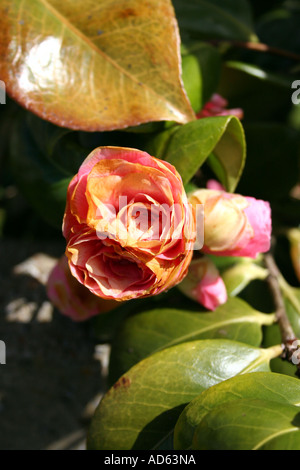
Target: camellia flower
(217, 107)
(234, 225)
(204, 284)
(72, 298)
(129, 228)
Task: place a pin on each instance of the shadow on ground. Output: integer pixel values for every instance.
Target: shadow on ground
(51, 373)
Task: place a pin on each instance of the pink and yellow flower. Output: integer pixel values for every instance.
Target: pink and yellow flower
(234, 225)
(128, 225)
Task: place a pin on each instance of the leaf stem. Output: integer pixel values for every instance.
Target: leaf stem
(289, 339)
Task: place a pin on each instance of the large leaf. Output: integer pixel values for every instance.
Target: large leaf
(94, 65)
(259, 385)
(154, 330)
(226, 19)
(277, 427)
(190, 145)
(140, 410)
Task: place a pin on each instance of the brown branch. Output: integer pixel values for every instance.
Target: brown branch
(289, 340)
(260, 47)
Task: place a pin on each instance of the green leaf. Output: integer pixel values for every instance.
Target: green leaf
(142, 407)
(106, 325)
(258, 385)
(262, 96)
(211, 19)
(40, 180)
(151, 331)
(292, 303)
(102, 66)
(250, 425)
(259, 73)
(190, 146)
(237, 277)
(201, 69)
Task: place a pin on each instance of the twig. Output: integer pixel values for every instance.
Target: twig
(260, 47)
(289, 340)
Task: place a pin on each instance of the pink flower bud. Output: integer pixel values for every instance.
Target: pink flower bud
(294, 238)
(217, 107)
(214, 184)
(204, 284)
(234, 225)
(71, 298)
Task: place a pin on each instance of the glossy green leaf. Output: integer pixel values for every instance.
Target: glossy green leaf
(94, 65)
(259, 385)
(250, 425)
(142, 407)
(40, 180)
(154, 330)
(191, 145)
(211, 19)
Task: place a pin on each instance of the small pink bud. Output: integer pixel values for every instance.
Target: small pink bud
(217, 106)
(72, 298)
(214, 184)
(234, 225)
(204, 284)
